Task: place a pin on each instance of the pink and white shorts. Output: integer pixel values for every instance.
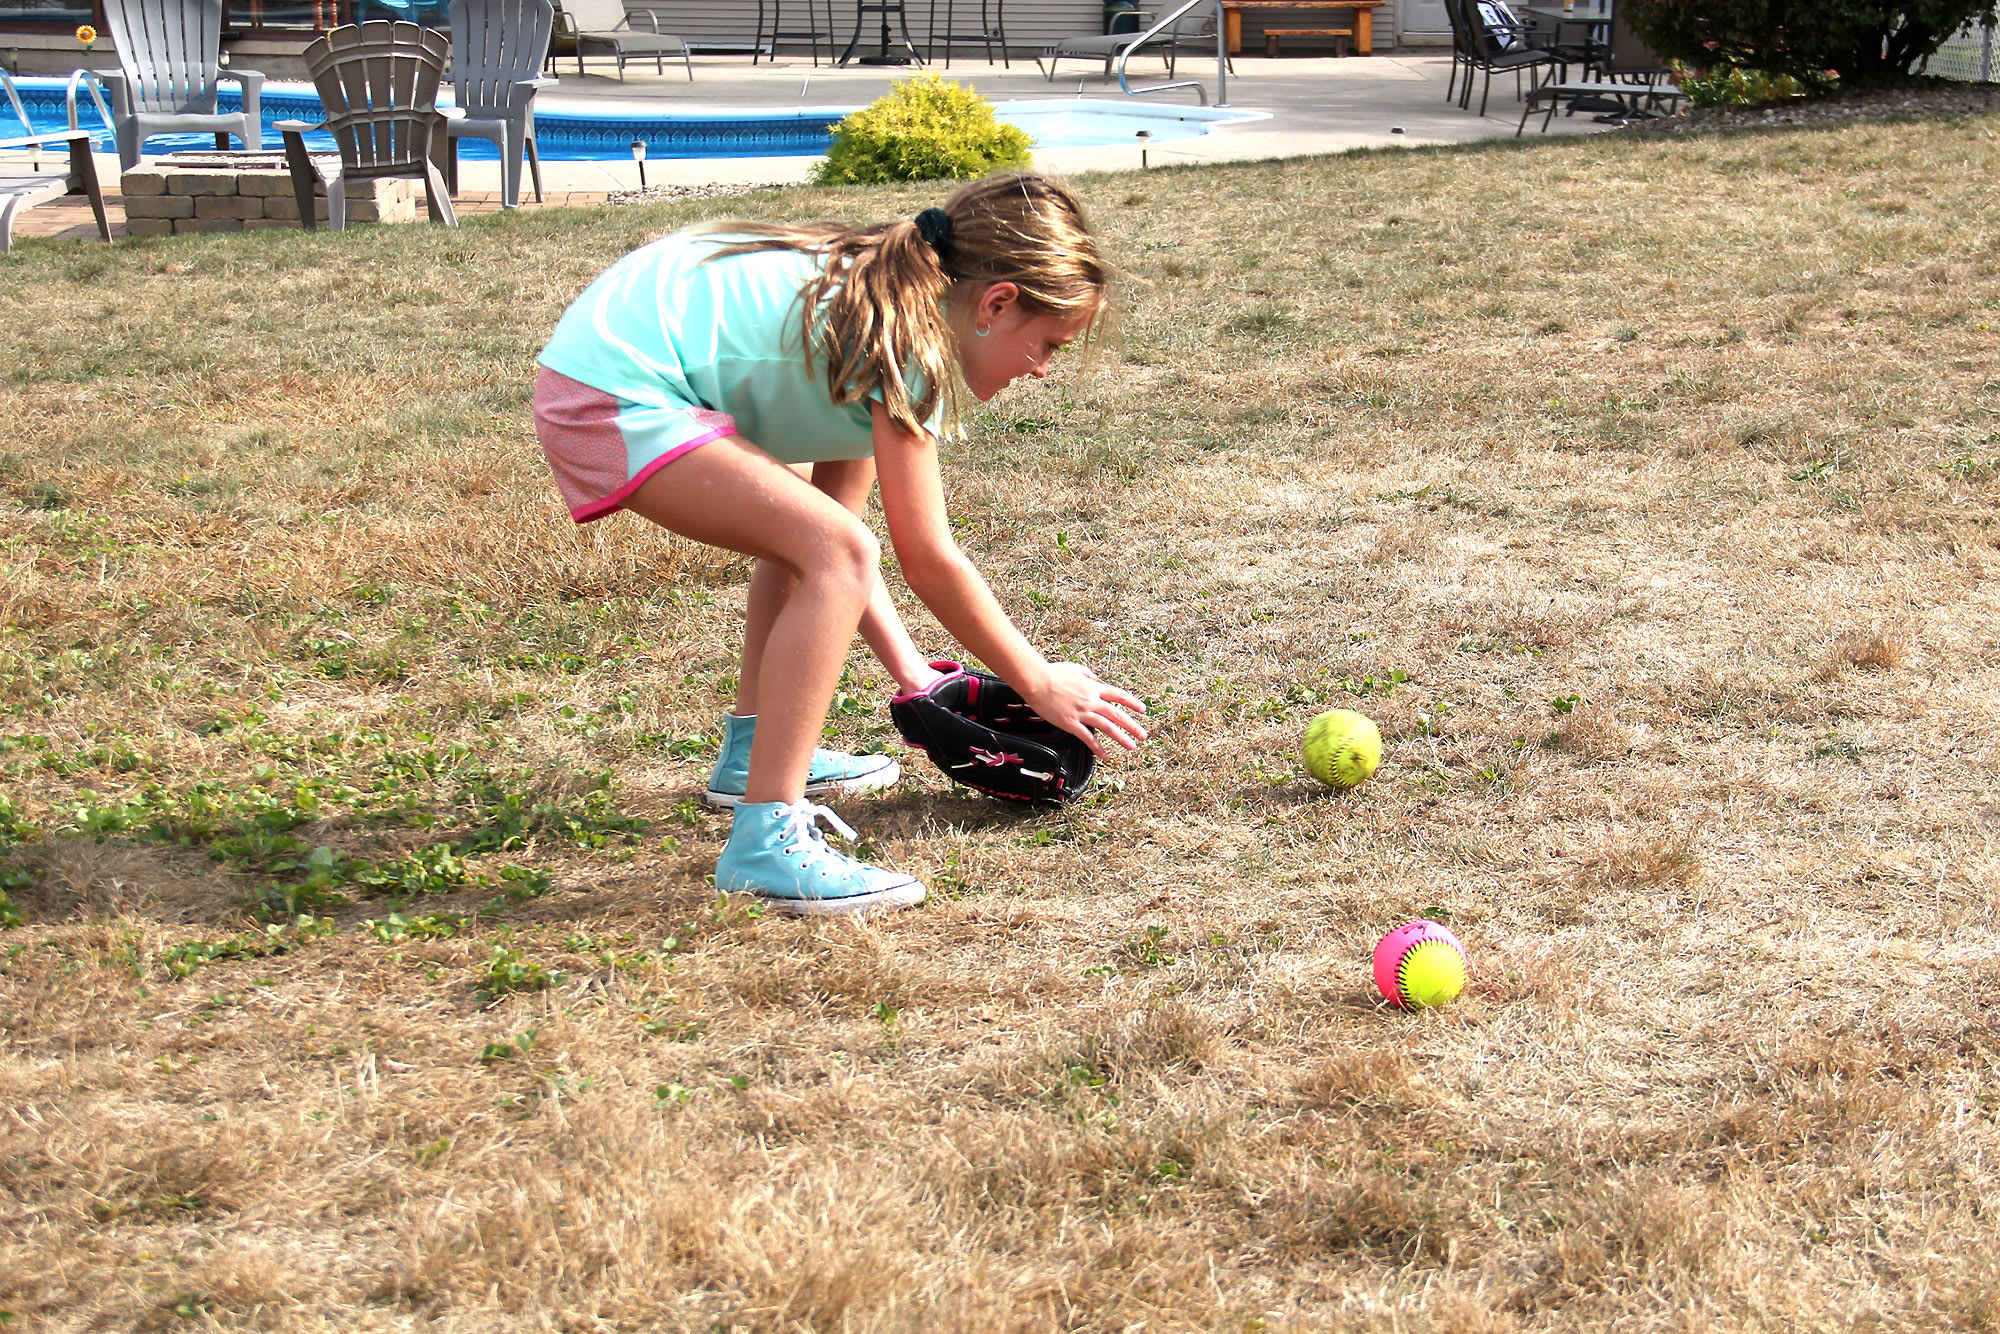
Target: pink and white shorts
(603, 448)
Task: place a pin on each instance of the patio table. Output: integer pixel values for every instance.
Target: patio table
(882, 9)
(1362, 10)
(1594, 19)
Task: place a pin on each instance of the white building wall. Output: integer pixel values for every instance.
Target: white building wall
(1029, 23)
(732, 22)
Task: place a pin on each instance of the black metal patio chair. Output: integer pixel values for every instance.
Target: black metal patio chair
(1494, 41)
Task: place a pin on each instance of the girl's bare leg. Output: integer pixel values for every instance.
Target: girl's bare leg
(730, 494)
(847, 481)
(770, 588)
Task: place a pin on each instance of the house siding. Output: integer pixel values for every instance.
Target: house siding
(733, 22)
(1030, 24)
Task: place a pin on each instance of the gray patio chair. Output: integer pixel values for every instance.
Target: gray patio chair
(610, 27)
(379, 85)
(169, 69)
(497, 51)
(25, 179)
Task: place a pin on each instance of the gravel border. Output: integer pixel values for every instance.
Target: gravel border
(1921, 99)
(659, 194)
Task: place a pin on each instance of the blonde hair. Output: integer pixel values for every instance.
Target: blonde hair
(878, 309)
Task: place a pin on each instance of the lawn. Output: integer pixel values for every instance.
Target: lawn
(367, 974)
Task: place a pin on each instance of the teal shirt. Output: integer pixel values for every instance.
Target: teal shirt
(661, 328)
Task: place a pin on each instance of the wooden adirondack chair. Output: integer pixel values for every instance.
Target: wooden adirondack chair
(170, 64)
(379, 84)
(498, 48)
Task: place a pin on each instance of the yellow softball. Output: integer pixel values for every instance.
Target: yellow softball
(1342, 748)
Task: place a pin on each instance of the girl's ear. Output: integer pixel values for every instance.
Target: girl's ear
(995, 301)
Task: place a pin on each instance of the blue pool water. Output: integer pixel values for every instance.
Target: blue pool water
(587, 136)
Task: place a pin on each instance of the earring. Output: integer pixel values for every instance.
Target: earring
(983, 332)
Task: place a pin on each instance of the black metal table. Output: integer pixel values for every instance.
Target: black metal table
(883, 8)
(1593, 18)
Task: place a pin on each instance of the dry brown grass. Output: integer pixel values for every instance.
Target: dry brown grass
(1663, 471)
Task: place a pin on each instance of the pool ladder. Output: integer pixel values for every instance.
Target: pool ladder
(1166, 24)
(85, 81)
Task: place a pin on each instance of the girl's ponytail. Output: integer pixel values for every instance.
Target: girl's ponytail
(882, 306)
(877, 311)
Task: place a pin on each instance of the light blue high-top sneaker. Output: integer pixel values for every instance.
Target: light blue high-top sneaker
(776, 851)
(833, 771)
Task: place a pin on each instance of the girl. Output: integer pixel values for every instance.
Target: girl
(744, 386)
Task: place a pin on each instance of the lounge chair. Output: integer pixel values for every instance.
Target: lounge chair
(497, 51)
(379, 85)
(25, 179)
(562, 41)
(1108, 48)
(609, 27)
(170, 64)
(25, 184)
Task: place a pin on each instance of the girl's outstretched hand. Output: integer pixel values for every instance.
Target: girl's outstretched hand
(1076, 701)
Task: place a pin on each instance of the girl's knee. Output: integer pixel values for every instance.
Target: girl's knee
(854, 554)
(837, 551)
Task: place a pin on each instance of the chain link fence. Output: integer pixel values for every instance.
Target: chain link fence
(1967, 55)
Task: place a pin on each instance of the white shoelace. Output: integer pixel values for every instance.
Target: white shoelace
(799, 832)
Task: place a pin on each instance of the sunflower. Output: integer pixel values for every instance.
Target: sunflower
(86, 34)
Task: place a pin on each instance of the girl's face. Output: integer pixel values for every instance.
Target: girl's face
(1015, 343)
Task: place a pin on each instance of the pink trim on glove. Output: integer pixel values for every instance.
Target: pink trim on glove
(949, 668)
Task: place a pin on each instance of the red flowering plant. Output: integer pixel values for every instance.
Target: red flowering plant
(1817, 42)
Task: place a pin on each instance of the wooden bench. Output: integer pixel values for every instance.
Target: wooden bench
(1343, 38)
(1359, 15)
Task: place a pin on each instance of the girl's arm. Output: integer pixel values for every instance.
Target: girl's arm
(1066, 693)
(848, 481)
(884, 631)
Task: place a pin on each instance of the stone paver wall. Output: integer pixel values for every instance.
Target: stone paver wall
(159, 201)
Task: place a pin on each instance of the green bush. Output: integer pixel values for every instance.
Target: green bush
(922, 129)
(1731, 87)
(1817, 42)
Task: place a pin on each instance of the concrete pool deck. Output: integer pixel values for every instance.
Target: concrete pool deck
(1316, 106)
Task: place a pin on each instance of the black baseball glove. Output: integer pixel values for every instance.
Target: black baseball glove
(980, 732)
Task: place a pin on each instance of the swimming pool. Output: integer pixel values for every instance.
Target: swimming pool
(565, 133)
